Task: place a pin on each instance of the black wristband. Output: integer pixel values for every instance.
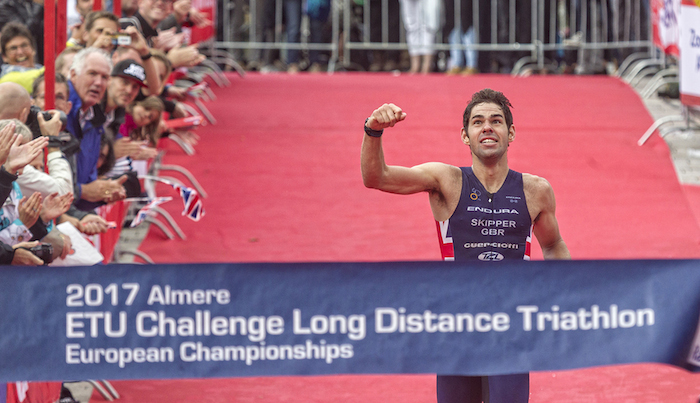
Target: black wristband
(372, 133)
(148, 56)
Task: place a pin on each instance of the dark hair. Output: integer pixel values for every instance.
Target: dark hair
(109, 159)
(489, 96)
(96, 15)
(12, 30)
(60, 79)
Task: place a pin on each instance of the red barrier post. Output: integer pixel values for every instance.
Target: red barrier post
(49, 53)
(61, 25)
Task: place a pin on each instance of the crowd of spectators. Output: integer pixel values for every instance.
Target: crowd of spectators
(454, 24)
(113, 94)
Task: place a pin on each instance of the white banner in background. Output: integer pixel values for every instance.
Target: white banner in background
(690, 53)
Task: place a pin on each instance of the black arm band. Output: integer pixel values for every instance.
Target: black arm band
(372, 133)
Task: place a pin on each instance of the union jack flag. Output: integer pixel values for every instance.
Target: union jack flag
(194, 209)
(193, 203)
(143, 213)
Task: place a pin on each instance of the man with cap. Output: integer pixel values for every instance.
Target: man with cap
(127, 79)
(128, 76)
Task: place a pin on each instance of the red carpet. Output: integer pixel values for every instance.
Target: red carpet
(282, 171)
(692, 193)
(636, 383)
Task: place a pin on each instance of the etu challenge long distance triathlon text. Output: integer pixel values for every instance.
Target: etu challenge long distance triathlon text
(150, 324)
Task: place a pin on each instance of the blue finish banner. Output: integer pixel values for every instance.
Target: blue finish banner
(223, 320)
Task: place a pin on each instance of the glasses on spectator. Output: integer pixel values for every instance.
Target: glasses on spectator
(60, 101)
(14, 48)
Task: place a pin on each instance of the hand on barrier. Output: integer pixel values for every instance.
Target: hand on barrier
(193, 91)
(127, 147)
(144, 153)
(24, 257)
(186, 56)
(104, 190)
(92, 224)
(178, 93)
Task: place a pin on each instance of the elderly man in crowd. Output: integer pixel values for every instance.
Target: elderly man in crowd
(89, 77)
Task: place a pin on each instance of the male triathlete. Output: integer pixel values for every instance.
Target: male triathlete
(485, 212)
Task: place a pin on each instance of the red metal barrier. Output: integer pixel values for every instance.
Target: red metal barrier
(106, 242)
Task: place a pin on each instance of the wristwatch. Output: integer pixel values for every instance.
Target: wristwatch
(372, 133)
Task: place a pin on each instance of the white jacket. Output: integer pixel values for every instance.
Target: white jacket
(59, 179)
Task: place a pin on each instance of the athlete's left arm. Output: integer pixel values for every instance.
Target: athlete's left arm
(546, 227)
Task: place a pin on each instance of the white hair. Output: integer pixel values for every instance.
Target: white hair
(78, 64)
(20, 128)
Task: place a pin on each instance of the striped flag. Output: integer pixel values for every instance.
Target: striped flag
(193, 203)
(143, 213)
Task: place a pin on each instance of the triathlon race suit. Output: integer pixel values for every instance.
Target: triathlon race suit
(485, 226)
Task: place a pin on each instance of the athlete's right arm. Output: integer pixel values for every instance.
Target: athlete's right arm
(377, 174)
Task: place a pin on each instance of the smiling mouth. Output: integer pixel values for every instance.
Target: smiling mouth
(489, 141)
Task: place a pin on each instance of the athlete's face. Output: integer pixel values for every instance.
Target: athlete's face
(487, 134)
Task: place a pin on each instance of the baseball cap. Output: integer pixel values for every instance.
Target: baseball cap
(132, 69)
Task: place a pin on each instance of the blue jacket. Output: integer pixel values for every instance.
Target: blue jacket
(90, 138)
